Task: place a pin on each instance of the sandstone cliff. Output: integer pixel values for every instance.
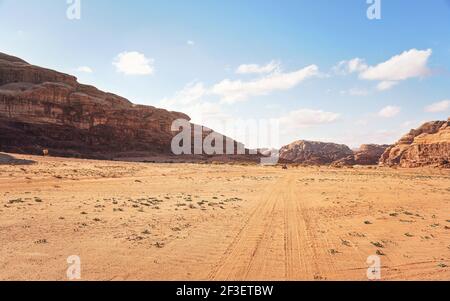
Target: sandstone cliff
(45, 109)
(316, 153)
(429, 145)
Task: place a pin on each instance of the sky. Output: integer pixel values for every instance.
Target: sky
(322, 69)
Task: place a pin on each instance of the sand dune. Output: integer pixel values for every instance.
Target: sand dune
(137, 221)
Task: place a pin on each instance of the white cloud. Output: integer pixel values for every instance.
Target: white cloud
(306, 117)
(190, 100)
(84, 69)
(412, 124)
(438, 107)
(389, 112)
(254, 68)
(408, 124)
(215, 114)
(191, 93)
(362, 122)
(386, 85)
(208, 114)
(133, 63)
(190, 43)
(350, 66)
(355, 92)
(409, 64)
(233, 91)
(273, 106)
(355, 137)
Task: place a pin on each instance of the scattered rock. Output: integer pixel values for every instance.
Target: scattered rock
(334, 252)
(16, 201)
(41, 242)
(159, 245)
(380, 253)
(346, 243)
(377, 244)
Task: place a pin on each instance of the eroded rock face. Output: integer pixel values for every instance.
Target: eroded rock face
(429, 145)
(315, 153)
(368, 154)
(45, 109)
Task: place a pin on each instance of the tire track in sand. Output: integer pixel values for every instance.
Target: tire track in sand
(274, 242)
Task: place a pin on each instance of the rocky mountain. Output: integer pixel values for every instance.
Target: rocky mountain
(45, 109)
(429, 145)
(315, 153)
(367, 154)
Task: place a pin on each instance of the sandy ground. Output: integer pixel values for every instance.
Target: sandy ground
(137, 221)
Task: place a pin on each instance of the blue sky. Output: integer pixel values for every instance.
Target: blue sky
(321, 67)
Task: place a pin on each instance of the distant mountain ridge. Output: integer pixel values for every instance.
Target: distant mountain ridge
(314, 153)
(426, 146)
(367, 154)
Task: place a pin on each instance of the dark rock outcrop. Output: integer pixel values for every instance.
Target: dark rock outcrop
(314, 153)
(429, 145)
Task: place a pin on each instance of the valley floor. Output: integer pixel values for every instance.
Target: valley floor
(137, 221)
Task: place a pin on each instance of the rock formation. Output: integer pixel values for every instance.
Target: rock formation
(315, 153)
(368, 154)
(429, 145)
(45, 109)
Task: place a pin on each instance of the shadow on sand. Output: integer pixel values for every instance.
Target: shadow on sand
(10, 160)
